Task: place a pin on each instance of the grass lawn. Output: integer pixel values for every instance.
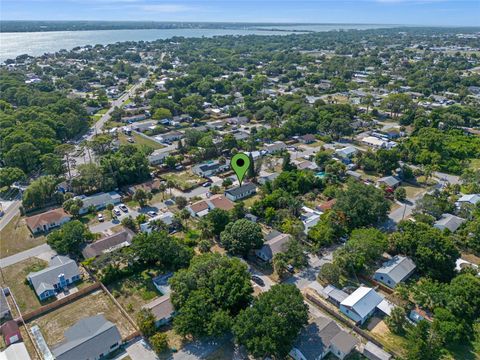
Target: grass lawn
(14, 277)
(316, 143)
(135, 291)
(53, 324)
(16, 237)
(139, 140)
(184, 180)
(413, 191)
(92, 218)
(391, 341)
(475, 163)
(251, 200)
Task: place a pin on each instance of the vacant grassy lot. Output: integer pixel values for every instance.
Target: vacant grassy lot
(135, 291)
(413, 191)
(390, 341)
(184, 180)
(14, 277)
(139, 140)
(54, 324)
(16, 237)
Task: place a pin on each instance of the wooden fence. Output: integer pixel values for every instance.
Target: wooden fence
(56, 304)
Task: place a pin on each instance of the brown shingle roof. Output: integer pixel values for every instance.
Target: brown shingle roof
(221, 202)
(46, 218)
(108, 242)
(199, 206)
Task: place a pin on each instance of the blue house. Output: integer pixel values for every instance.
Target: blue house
(61, 273)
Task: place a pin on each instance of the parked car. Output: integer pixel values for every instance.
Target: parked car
(100, 217)
(290, 268)
(207, 184)
(117, 212)
(258, 280)
(130, 140)
(152, 213)
(123, 208)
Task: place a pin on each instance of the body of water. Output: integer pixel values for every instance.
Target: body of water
(39, 43)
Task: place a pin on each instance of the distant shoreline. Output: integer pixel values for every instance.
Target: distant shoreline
(20, 26)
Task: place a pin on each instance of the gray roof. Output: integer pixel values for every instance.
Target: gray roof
(239, 190)
(398, 268)
(335, 294)
(373, 352)
(4, 307)
(100, 199)
(389, 180)
(161, 308)
(87, 339)
(319, 335)
(449, 221)
(275, 245)
(44, 279)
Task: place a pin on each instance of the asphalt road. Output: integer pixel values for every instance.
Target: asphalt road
(10, 213)
(13, 259)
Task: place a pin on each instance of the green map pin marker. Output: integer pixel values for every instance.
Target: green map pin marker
(240, 164)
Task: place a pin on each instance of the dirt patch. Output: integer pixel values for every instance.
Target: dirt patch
(54, 324)
(16, 237)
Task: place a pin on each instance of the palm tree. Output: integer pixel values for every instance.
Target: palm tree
(162, 188)
(170, 185)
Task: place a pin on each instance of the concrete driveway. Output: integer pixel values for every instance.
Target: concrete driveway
(140, 350)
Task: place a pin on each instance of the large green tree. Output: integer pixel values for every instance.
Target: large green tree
(242, 236)
(271, 325)
(209, 294)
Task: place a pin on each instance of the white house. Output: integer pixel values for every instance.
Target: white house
(450, 222)
(468, 199)
(47, 220)
(275, 147)
(395, 270)
(210, 168)
(158, 156)
(310, 218)
(98, 201)
(361, 304)
(241, 192)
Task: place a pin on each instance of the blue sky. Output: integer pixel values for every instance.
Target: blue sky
(412, 12)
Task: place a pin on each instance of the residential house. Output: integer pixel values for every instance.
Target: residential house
(148, 186)
(165, 217)
(158, 156)
(274, 243)
(240, 135)
(322, 337)
(277, 146)
(328, 205)
(346, 152)
(238, 120)
(169, 137)
(4, 306)
(265, 176)
(395, 270)
(241, 192)
(98, 201)
(472, 199)
(162, 309)
(89, 338)
(108, 244)
(17, 351)
(46, 221)
(334, 295)
(10, 332)
(133, 118)
(305, 165)
(374, 352)
(210, 168)
(450, 222)
(307, 139)
(60, 273)
(203, 207)
(378, 143)
(361, 304)
(391, 182)
(309, 218)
